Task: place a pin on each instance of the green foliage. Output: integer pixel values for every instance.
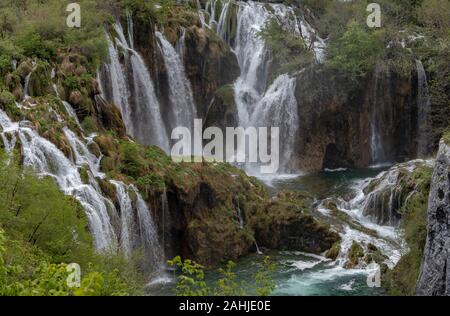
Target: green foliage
(228, 285)
(356, 51)
(403, 278)
(38, 28)
(191, 280)
(289, 51)
(46, 230)
(89, 124)
(264, 281)
(36, 210)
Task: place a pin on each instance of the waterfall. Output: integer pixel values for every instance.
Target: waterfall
(181, 44)
(26, 88)
(423, 111)
(380, 119)
(48, 160)
(118, 92)
(133, 91)
(126, 218)
(165, 217)
(149, 234)
(257, 104)
(278, 107)
(67, 106)
(222, 24)
(182, 105)
(130, 28)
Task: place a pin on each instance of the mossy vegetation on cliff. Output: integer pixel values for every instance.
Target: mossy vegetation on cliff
(403, 278)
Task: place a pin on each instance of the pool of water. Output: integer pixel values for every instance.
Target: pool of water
(297, 273)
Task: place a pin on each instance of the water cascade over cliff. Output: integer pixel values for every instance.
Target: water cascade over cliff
(182, 106)
(79, 176)
(130, 87)
(424, 112)
(260, 102)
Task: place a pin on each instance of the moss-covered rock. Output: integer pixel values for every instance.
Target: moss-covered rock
(40, 80)
(355, 254)
(222, 111)
(109, 116)
(286, 223)
(334, 251)
(402, 279)
(209, 63)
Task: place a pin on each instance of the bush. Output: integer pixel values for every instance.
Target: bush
(191, 280)
(289, 51)
(37, 211)
(356, 51)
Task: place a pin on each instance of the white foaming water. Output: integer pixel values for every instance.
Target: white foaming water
(82, 155)
(149, 234)
(182, 105)
(424, 112)
(67, 106)
(278, 107)
(137, 100)
(257, 104)
(48, 160)
(119, 90)
(126, 218)
(181, 44)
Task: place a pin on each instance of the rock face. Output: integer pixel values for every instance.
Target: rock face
(435, 271)
(222, 111)
(337, 118)
(209, 63)
(286, 223)
(386, 195)
(208, 60)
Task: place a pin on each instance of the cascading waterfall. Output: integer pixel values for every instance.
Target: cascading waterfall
(67, 106)
(127, 229)
(182, 105)
(165, 216)
(423, 111)
(278, 107)
(48, 160)
(118, 91)
(148, 233)
(378, 119)
(137, 101)
(181, 44)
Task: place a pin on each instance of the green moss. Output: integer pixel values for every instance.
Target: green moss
(446, 137)
(8, 104)
(334, 251)
(403, 278)
(89, 124)
(355, 253)
(84, 174)
(40, 81)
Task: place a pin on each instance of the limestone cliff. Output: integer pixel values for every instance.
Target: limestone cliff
(435, 274)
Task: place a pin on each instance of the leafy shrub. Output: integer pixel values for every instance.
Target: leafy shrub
(191, 280)
(356, 51)
(289, 51)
